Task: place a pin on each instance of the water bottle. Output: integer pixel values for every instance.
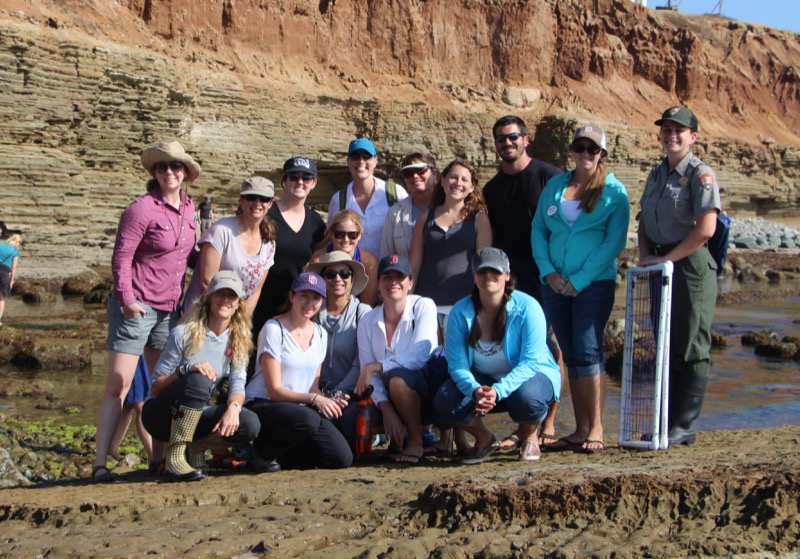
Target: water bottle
(364, 426)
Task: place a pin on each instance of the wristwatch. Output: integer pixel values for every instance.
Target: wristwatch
(182, 371)
(237, 404)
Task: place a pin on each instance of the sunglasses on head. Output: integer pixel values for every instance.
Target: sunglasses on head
(254, 197)
(339, 234)
(361, 155)
(296, 177)
(514, 136)
(162, 166)
(592, 149)
(331, 274)
(408, 173)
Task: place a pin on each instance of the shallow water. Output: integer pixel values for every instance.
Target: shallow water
(744, 390)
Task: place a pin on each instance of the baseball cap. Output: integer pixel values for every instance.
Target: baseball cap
(300, 164)
(492, 258)
(226, 279)
(258, 185)
(309, 281)
(362, 144)
(593, 133)
(394, 263)
(681, 115)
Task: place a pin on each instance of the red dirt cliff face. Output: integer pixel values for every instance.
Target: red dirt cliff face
(609, 58)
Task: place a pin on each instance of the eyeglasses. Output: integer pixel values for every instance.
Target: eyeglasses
(254, 197)
(297, 177)
(359, 156)
(501, 138)
(592, 149)
(162, 166)
(408, 173)
(352, 235)
(331, 274)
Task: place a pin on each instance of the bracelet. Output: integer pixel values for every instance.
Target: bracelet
(182, 371)
(237, 404)
(314, 399)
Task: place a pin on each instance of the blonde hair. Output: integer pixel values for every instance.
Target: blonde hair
(239, 336)
(341, 217)
(15, 239)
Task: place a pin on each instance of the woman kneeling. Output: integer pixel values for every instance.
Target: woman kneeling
(496, 348)
(295, 416)
(211, 343)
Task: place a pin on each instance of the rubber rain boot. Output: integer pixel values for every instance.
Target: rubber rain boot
(196, 450)
(184, 423)
(687, 406)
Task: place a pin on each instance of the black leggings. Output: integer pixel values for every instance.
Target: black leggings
(297, 435)
(194, 391)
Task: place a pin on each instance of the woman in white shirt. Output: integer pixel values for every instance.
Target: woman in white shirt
(295, 416)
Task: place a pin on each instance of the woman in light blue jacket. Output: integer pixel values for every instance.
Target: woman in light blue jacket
(580, 227)
(497, 355)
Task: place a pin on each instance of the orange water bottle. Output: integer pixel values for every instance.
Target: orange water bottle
(364, 426)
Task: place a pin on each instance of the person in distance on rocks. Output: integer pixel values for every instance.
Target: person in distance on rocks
(679, 208)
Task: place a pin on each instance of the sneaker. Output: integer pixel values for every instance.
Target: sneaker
(265, 465)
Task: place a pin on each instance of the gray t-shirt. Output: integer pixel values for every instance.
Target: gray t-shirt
(224, 237)
(298, 367)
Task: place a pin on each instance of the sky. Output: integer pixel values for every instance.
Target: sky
(782, 14)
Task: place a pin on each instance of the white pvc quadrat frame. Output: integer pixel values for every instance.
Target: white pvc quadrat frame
(645, 363)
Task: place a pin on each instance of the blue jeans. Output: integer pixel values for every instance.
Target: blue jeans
(579, 323)
(528, 404)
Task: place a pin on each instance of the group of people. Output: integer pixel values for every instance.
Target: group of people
(432, 304)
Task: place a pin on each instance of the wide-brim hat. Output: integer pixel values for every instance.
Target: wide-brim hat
(360, 278)
(165, 152)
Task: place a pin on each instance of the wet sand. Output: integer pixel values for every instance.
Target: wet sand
(733, 494)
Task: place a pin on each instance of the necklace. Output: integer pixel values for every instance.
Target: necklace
(175, 230)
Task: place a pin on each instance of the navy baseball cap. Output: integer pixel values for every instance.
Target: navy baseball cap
(394, 263)
(309, 281)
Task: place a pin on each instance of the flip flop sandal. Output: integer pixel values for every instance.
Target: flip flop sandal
(546, 439)
(600, 448)
(567, 446)
(479, 455)
(512, 438)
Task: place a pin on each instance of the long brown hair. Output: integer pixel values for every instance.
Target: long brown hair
(474, 201)
(594, 189)
(239, 338)
(268, 230)
(499, 326)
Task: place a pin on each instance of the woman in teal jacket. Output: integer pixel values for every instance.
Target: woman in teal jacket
(580, 227)
(497, 355)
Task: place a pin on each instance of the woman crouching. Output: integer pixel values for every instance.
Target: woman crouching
(496, 348)
(211, 342)
(295, 416)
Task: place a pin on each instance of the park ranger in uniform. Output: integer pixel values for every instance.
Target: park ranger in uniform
(679, 210)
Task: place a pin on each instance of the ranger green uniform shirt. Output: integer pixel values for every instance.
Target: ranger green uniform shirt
(672, 199)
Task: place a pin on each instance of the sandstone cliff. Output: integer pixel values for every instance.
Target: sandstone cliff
(86, 84)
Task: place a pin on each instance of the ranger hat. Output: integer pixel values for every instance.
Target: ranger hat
(681, 115)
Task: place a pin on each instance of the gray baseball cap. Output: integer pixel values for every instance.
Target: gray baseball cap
(492, 258)
(226, 279)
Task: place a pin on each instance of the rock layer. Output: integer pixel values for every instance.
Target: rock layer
(85, 86)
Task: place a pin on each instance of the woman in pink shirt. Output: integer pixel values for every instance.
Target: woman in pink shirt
(155, 236)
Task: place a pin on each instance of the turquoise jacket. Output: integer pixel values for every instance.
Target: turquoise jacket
(524, 345)
(587, 251)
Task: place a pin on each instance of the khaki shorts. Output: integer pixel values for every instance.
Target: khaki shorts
(132, 335)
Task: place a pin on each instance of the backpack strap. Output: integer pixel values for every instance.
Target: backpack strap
(391, 193)
(342, 198)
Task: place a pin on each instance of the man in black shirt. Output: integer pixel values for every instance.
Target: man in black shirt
(511, 197)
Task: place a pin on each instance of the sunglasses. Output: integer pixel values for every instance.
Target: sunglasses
(254, 197)
(331, 274)
(352, 235)
(164, 165)
(408, 173)
(592, 149)
(297, 177)
(501, 138)
(359, 156)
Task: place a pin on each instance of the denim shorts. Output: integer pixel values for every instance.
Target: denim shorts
(131, 335)
(579, 323)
